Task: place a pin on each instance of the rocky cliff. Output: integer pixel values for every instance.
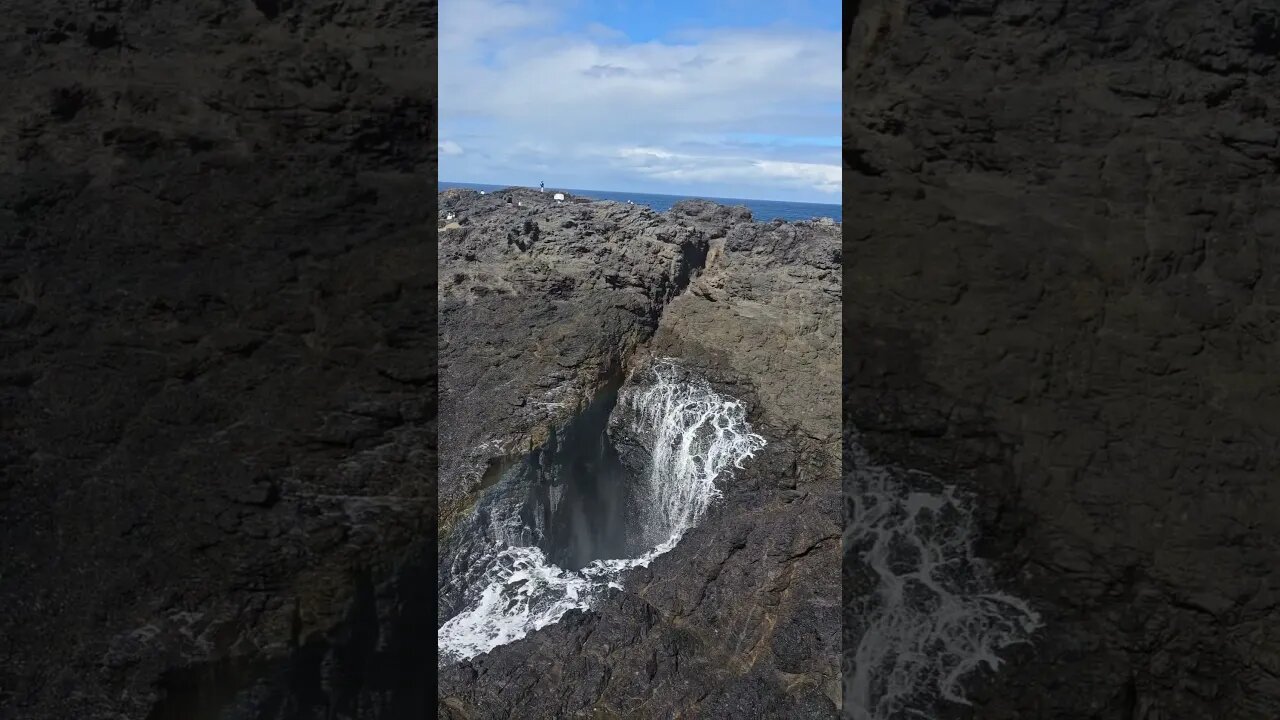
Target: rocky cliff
(536, 312)
(216, 365)
(1061, 294)
(546, 305)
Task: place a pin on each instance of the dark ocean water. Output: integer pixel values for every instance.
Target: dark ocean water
(761, 210)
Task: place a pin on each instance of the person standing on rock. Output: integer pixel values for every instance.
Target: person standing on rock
(542, 187)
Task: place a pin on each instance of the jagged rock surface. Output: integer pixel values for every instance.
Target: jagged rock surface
(741, 619)
(540, 303)
(1062, 292)
(216, 364)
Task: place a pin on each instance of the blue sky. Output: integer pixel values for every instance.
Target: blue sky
(721, 98)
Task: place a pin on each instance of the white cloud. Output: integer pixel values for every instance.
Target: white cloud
(466, 25)
(449, 147)
(642, 154)
(659, 163)
(825, 178)
(521, 95)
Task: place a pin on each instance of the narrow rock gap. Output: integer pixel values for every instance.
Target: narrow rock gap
(607, 492)
(576, 493)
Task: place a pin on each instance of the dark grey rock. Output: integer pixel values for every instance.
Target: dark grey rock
(214, 260)
(1061, 242)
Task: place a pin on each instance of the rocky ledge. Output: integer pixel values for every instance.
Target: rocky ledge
(545, 305)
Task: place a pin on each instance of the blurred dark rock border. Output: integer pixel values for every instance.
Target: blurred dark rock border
(1062, 235)
(217, 362)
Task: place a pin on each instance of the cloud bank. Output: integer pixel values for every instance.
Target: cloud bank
(527, 95)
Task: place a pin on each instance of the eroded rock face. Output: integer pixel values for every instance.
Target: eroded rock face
(1061, 294)
(216, 365)
(741, 618)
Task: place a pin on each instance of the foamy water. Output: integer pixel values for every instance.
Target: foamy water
(694, 436)
(929, 613)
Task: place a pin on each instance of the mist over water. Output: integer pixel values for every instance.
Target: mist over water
(582, 491)
(563, 548)
(927, 612)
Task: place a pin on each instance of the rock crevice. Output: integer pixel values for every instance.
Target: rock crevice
(589, 283)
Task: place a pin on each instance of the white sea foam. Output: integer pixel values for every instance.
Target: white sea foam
(694, 435)
(930, 613)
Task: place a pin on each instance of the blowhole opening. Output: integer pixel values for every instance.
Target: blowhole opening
(611, 489)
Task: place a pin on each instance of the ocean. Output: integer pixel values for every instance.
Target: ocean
(761, 210)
